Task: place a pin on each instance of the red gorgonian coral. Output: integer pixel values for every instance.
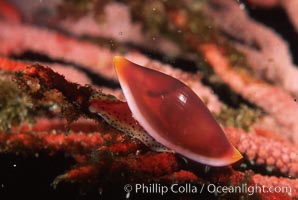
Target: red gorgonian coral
(83, 114)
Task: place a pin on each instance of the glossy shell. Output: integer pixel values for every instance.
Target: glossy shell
(174, 115)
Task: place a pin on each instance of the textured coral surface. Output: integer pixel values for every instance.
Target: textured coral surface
(67, 132)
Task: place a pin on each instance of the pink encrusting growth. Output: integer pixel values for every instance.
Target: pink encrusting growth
(158, 101)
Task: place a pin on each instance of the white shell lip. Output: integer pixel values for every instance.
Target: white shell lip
(137, 114)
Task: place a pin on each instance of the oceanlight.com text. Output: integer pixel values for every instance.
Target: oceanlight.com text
(189, 188)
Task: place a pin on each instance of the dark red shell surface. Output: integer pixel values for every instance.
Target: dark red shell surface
(174, 115)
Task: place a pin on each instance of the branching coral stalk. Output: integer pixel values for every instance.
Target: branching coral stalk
(58, 124)
(11, 65)
(287, 187)
(257, 91)
(97, 60)
(50, 142)
(268, 54)
(275, 155)
(290, 7)
(70, 73)
(132, 167)
(248, 143)
(112, 21)
(51, 136)
(115, 155)
(177, 19)
(85, 100)
(290, 185)
(57, 46)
